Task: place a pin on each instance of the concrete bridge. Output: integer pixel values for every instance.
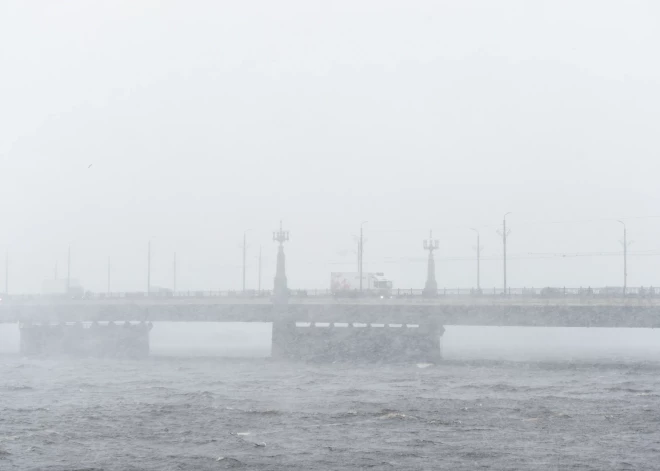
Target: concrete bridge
(591, 312)
(312, 329)
(316, 325)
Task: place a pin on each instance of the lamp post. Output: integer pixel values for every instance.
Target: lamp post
(625, 244)
(504, 233)
(244, 254)
(280, 288)
(478, 260)
(431, 287)
(68, 271)
(361, 252)
(259, 283)
(149, 268)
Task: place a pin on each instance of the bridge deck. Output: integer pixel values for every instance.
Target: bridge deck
(632, 313)
(328, 300)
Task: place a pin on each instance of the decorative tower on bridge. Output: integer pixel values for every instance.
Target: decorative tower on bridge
(280, 289)
(431, 287)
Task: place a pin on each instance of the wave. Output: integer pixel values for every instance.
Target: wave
(630, 390)
(262, 412)
(17, 387)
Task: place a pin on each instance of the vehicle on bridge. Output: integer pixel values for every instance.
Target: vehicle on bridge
(347, 284)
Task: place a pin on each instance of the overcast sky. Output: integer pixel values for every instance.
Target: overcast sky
(203, 119)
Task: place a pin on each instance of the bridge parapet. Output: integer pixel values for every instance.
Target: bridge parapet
(605, 296)
(403, 313)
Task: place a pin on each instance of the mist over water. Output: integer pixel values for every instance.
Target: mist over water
(459, 342)
(571, 398)
(153, 147)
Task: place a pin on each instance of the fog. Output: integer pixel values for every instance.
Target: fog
(198, 128)
(236, 340)
(202, 121)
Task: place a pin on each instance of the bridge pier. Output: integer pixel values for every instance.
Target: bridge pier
(327, 342)
(284, 338)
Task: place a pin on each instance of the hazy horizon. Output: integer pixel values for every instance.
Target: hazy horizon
(522, 344)
(203, 120)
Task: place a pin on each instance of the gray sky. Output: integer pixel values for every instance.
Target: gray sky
(202, 119)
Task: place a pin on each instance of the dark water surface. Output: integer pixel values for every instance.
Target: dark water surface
(212, 414)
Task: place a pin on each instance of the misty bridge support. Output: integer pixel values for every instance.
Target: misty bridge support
(280, 288)
(348, 341)
(431, 286)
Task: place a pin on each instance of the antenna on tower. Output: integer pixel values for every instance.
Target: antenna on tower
(431, 244)
(280, 288)
(281, 236)
(504, 232)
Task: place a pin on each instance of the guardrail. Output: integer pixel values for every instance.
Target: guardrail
(546, 292)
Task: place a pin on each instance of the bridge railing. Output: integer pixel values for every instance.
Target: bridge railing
(531, 292)
(546, 292)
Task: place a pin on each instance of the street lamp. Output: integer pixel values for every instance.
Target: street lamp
(280, 289)
(478, 260)
(68, 272)
(174, 275)
(431, 286)
(149, 264)
(504, 235)
(244, 255)
(149, 268)
(625, 257)
(361, 251)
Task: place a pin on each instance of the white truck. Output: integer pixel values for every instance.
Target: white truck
(348, 284)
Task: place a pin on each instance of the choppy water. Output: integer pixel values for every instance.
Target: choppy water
(176, 413)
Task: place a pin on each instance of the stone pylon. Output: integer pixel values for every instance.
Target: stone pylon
(431, 287)
(280, 288)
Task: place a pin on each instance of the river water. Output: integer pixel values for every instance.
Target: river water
(502, 399)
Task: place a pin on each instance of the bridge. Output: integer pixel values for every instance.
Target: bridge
(313, 327)
(315, 324)
(449, 310)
